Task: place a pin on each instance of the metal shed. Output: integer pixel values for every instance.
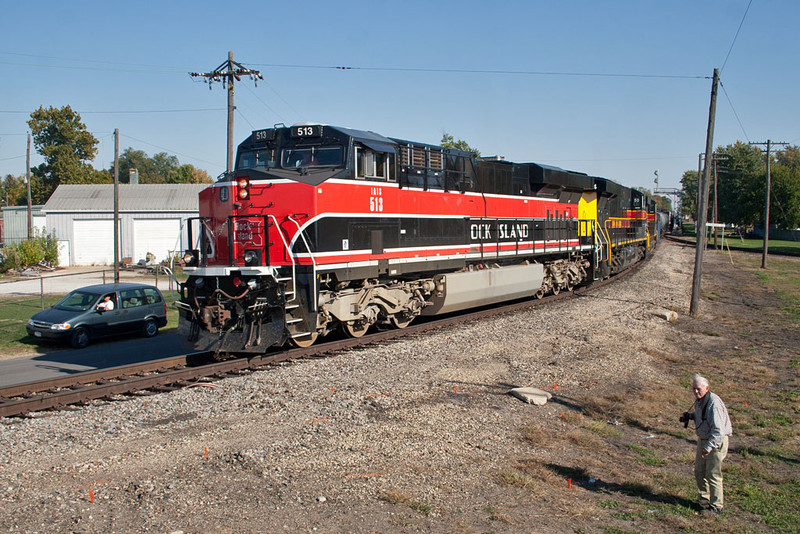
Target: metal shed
(15, 223)
(152, 220)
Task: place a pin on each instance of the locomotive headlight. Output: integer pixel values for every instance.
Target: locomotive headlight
(244, 186)
(252, 257)
(190, 258)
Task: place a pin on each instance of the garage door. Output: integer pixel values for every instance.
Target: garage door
(156, 236)
(94, 241)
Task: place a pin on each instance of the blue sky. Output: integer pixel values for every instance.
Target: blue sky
(420, 68)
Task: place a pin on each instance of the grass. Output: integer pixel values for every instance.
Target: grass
(647, 456)
(14, 315)
(637, 485)
(397, 497)
(776, 246)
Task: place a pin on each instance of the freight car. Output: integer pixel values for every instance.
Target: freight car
(322, 228)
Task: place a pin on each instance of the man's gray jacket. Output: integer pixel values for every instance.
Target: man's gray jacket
(712, 420)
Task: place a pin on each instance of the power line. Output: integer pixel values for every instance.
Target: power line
(216, 164)
(85, 60)
(135, 111)
(735, 36)
(267, 105)
(84, 67)
(728, 98)
(483, 71)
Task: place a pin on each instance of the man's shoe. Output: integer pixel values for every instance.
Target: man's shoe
(711, 511)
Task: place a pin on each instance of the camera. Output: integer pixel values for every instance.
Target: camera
(685, 418)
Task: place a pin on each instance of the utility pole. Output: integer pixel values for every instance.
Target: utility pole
(116, 205)
(28, 181)
(227, 73)
(765, 251)
(702, 208)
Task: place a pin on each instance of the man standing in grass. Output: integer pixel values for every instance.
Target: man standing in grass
(713, 426)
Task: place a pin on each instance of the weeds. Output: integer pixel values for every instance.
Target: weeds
(402, 499)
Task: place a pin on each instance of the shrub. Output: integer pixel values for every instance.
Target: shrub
(41, 247)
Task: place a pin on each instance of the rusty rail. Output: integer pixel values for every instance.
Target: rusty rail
(180, 371)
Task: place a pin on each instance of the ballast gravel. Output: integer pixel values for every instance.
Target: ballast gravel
(406, 436)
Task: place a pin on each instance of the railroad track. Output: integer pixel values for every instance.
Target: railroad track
(176, 372)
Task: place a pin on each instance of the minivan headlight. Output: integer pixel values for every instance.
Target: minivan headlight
(60, 326)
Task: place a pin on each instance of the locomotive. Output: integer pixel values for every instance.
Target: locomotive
(322, 228)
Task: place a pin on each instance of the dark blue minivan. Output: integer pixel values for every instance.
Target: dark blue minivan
(81, 315)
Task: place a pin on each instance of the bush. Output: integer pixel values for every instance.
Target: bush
(42, 247)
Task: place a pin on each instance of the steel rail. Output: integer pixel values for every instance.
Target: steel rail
(177, 371)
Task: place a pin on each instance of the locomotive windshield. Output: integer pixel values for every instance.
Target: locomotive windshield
(265, 158)
(314, 156)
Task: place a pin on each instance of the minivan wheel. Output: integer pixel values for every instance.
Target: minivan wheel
(80, 338)
(150, 328)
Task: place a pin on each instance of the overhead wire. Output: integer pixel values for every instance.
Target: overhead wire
(264, 103)
(483, 71)
(728, 98)
(735, 37)
(171, 150)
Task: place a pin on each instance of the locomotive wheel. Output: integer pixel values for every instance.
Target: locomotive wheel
(304, 341)
(355, 329)
(400, 321)
(539, 294)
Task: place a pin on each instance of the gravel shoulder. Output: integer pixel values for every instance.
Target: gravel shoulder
(416, 435)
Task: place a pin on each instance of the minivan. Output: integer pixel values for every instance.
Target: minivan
(80, 318)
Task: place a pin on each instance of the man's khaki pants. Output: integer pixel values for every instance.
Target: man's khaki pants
(708, 474)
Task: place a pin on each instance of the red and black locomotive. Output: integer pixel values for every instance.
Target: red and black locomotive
(322, 228)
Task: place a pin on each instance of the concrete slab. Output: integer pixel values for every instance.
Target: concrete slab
(535, 396)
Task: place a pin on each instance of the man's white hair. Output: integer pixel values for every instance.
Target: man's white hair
(700, 380)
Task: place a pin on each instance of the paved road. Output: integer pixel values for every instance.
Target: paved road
(100, 355)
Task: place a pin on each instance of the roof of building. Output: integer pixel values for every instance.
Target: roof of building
(138, 197)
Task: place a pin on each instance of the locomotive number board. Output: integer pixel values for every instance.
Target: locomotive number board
(263, 135)
(307, 131)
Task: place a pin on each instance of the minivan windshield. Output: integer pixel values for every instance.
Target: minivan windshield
(77, 301)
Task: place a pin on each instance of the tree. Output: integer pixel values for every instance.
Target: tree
(741, 175)
(662, 203)
(159, 169)
(785, 194)
(448, 141)
(742, 179)
(689, 188)
(14, 191)
(67, 147)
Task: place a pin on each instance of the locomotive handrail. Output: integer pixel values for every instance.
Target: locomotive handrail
(313, 261)
(202, 247)
(291, 257)
(231, 235)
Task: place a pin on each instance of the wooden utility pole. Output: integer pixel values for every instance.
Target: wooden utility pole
(116, 205)
(28, 181)
(228, 73)
(702, 208)
(765, 250)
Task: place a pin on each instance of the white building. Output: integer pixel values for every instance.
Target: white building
(152, 219)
